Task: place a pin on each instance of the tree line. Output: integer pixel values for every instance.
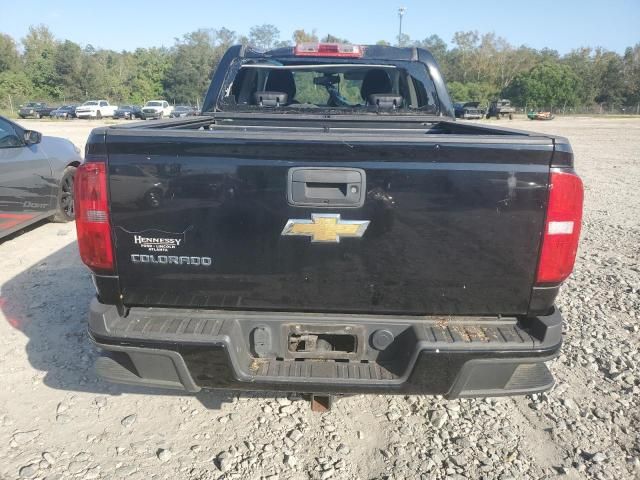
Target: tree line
(477, 67)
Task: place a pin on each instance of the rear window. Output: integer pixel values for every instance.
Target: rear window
(402, 87)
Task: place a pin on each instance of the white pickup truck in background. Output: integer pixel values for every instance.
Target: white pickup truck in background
(95, 109)
(157, 109)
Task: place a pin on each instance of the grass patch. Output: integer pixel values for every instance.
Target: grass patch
(5, 112)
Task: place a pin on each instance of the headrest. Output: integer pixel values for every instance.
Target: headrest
(375, 81)
(281, 81)
(382, 100)
(270, 99)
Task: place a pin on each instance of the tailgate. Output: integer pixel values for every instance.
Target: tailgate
(443, 225)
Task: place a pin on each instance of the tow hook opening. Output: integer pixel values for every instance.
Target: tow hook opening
(322, 343)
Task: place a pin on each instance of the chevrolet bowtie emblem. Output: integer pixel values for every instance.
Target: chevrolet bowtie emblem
(325, 228)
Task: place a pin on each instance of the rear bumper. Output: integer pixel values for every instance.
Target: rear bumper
(197, 349)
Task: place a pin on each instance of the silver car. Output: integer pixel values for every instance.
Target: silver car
(36, 177)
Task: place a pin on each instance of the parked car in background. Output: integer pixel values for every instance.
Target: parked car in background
(184, 111)
(468, 110)
(95, 109)
(35, 110)
(539, 115)
(128, 112)
(501, 108)
(157, 109)
(66, 112)
(37, 175)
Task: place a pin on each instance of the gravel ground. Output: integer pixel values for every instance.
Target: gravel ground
(58, 421)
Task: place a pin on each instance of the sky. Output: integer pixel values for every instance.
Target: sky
(125, 25)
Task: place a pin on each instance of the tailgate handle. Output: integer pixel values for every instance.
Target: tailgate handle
(326, 187)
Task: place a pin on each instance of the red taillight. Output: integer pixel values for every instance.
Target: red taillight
(315, 49)
(92, 217)
(561, 229)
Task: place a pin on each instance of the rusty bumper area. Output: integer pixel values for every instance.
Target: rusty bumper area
(325, 354)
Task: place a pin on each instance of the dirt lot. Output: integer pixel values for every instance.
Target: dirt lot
(57, 420)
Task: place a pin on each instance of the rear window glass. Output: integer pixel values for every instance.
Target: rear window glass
(403, 87)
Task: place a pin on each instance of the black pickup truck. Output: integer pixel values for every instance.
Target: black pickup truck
(326, 226)
(35, 110)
